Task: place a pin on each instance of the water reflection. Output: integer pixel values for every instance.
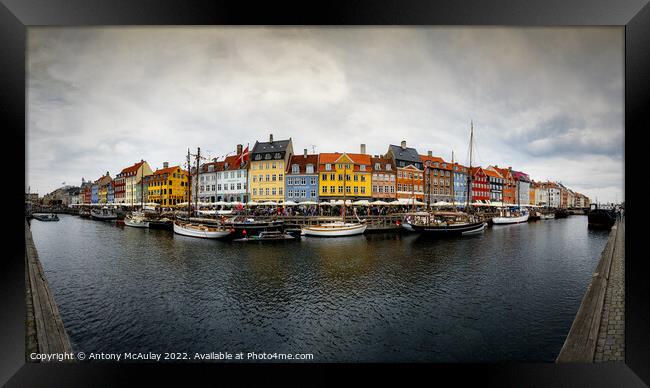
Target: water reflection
(509, 294)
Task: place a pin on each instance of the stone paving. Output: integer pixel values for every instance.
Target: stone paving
(611, 336)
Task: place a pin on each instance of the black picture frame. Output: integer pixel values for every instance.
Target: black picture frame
(17, 15)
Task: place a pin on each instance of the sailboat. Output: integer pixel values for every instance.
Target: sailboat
(137, 219)
(192, 229)
(337, 228)
(513, 215)
(451, 223)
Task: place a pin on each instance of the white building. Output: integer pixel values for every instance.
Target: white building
(226, 180)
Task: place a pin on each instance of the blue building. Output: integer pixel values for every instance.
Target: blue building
(94, 194)
(460, 184)
(110, 193)
(301, 178)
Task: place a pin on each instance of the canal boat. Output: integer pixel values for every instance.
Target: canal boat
(271, 235)
(161, 223)
(46, 217)
(507, 216)
(338, 227)
(200, 230)
(136, 220)
(250, 227)
(547, 216)
(599, 217)
(442, 224)
(103, 214)
(408, 218)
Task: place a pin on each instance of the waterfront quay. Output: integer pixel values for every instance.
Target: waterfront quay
(598, 331)
(509, 294)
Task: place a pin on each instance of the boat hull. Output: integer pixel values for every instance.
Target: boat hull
(136, 224)
(600, 218)
(166, 225)
(342, 231)
(192, 232)
(103, 217)
(547, 216)
(509, 220)
(452, 230)
(45, 218)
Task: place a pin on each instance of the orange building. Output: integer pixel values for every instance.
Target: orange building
(509, 185)
(344, 175)
(438, 179)
(410, 172)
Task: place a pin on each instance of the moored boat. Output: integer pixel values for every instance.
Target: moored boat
(547, 216)
(448, 224)
(600, 217)
(136, 222)
(161, 223)
(103, 214)
(272, 235)
(200, 230)
(510, 217)
(335, 229)
(46, 217)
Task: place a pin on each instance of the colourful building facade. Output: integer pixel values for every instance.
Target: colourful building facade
(344, 174)
(166, 186)
(302, 178)
(384, 178)
(268, 164)
(410, 171)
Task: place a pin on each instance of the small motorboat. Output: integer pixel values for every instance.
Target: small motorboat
(161, 223)
(201, 231)
(103, 214)
(270, 235)
(136, 220)
(46, 217)
(547, 216)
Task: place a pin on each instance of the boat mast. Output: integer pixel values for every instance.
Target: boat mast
(453, 173)
(189, 185)
(198, 172)
(469, 171)
(345, 171)
(413, 191)
(142, 188)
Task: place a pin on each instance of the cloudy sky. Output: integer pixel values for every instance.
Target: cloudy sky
(548, 101)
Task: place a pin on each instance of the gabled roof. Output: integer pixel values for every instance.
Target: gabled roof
(302, 161)
(436, 159)
(408, 154)
(493, 173)
(168, 170)
(333, 157)
(521, 176)
(132, 168)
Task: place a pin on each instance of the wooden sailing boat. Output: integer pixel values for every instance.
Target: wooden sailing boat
(451, 223)
(337, 228)
(192, 229)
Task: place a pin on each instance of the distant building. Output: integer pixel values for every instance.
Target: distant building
(344, 174)
(438, 178)
(127, 180)
(496, 182)
(166, 186)
(302, 178)
(460, 184)
(383, 178)
(509, 187)
(268, 164)
(410, 171)
(479, 186)
(522, 187)
(225, 180)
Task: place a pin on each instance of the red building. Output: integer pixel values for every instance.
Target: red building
(479, 185)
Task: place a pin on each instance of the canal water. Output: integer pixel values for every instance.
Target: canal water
(508, 295)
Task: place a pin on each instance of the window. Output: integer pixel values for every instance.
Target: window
(356, 189)
(273, 177)
(332, 189)
(340, 189)
(363, 178)
(377, 166)
(347, 189)
(313, 193)
(324, 189)
(324, 177)
(362, 167)
(363, 190)
(328, 167)
(280, 177)
(295, 169)
(258, 157)
(313, 180)
(273, 191)
(332, 177)
(388, 167)
(268, 177)
(310, 169)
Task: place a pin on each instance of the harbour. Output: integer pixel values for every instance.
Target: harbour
(371, 297)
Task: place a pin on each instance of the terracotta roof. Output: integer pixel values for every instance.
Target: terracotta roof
(434, 159)
(168, 170)
(302, 162)
(132, 168)
(382, 164)
(332, 157)
(493, 173)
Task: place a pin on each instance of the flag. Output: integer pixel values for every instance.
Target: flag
(243, 158)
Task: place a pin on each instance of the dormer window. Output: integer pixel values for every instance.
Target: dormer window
(267, 156)
(277, 155)
(388, 167)
(310, 169)
(295, 169)
(258, 157)
(328, 167)
(377, 166)
(362, 167)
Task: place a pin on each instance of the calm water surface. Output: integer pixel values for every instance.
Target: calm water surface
(508, 295)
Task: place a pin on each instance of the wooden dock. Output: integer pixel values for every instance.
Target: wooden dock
(589, 325)
(45, 331)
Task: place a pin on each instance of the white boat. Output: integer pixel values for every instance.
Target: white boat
(335, 229)
(136, 222)
(510, 218)
(549, 216)
(201, 231)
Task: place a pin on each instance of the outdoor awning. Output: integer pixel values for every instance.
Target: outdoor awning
(251, 203)
(290, 203)
(378, 203)
(361, 202)
(308, 203)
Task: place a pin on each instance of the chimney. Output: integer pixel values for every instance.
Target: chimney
(429, 153)
(305, 153)
(363, 148)
(165, 164)
(214, 160)
(107, 173)
(403, 144)
(271, 138)
(239, 149)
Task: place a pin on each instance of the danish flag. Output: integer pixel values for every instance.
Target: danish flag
(243, 158)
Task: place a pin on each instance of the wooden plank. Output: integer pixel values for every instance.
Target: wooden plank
(580, 344)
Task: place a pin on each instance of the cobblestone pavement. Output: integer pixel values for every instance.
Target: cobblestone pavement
(611, 336)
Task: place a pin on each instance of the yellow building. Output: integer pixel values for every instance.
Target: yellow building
(344, 174)
(102, 190)
(267, 167)
(167, 186)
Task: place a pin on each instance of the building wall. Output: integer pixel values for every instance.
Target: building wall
(460, 187)
(167, 188)
(301, 187)
(266, 180)
(332, 183)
